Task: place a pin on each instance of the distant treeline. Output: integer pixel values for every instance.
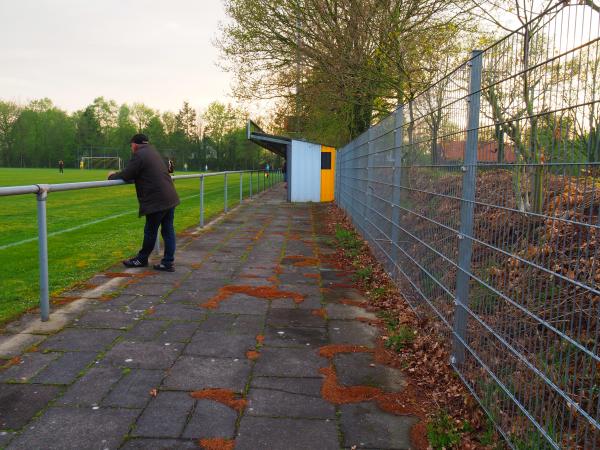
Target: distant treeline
(39, 134)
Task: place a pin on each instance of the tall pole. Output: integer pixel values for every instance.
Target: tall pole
(465, 236)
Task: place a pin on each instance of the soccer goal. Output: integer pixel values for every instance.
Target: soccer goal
(101, 162)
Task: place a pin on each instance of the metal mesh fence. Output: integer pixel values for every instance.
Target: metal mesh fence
(481, 198)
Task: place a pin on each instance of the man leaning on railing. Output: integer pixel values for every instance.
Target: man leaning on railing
(157, 198)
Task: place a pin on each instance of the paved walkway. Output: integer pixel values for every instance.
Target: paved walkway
(233, 346)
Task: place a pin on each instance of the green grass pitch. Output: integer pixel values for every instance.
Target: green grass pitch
(89, 230)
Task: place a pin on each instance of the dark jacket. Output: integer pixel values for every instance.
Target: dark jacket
(153, 184)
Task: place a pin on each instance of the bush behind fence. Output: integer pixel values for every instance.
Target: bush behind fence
(481, 198)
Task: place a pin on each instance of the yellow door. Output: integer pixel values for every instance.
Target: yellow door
(327, 173)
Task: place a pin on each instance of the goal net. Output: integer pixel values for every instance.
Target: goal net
(101, 162)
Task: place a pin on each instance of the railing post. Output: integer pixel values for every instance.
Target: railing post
(202, 201)
(251, 173)
(241, 186)
(157, 244)
(43, 252)
(397, 179)
(467, 207)
(225, 194)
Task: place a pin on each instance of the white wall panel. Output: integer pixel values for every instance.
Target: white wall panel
(306, 172)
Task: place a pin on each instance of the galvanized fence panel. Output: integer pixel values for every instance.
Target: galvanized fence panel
(480, 197)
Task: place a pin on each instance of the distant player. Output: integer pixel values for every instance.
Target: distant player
(81, 165)
(171, 167)
(61, 166)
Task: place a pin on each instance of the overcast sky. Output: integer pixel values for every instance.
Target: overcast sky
(153, 51)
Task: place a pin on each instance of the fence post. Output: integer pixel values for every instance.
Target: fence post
(347, 152)
(202, 201)
(43, 251)
(241, 186)
(397, 179)
(369, 200)
(225, 194)
(251, 173)
(467, 207)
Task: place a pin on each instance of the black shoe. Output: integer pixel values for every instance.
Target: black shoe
(164, 268)
(134, 262)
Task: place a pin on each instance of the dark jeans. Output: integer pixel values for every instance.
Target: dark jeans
(164, 219)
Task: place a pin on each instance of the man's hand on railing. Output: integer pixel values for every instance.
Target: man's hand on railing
(110, 174)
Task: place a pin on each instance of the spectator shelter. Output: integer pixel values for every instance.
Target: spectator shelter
(310, 166)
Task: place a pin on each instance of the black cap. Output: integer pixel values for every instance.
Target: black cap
(139, 139)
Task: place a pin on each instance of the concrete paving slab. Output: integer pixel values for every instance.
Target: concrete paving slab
(176, 312)
(352, 332)
(90, 389)
(120, 300)
(217, 322)
(289, 362)
(143, 288)
(20, 402)
(295, 337)
(243, 304)
(220, 345)
(194, 298)
(30, 364)
(192, 373)
(145, 330)
(178, 332)
(347, 312)
(159, 444)
(143, 302)
(265, 433)
(311, 303)
(305, 386)
(274, 403)
(76, 429)
(108, 317)
(211, 420)
(65, 369)
(294, 318)
(365, 426)
(165, 415)
(74, 339)
(245, 324)
(133, 389)
(337, 294)
(143, 355)
(360, 369)
(284, 303)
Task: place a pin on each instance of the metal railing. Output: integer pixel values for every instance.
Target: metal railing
(41, 191)
(481, 198)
